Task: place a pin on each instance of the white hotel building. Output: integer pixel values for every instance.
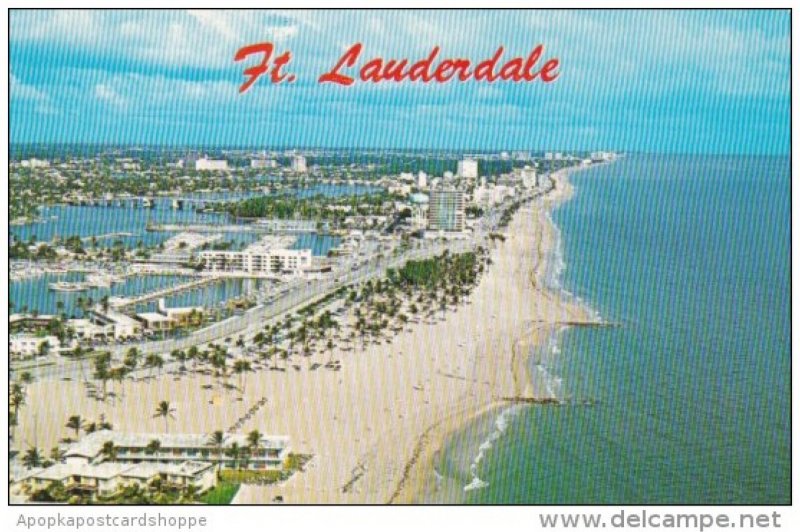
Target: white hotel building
(213, 165)
(262, 258)
(176, 449)
(468, 168)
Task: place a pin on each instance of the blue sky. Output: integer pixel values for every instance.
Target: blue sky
(657, 81)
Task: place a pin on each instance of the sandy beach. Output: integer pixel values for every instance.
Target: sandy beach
(373, 427)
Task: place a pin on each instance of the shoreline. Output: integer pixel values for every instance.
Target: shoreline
(375, 427)
(536, 335)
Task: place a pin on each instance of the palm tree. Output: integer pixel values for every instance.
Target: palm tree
(25, 377)
(56, 454)
(16, 397)
(74, 423)
(219, 361)
(101, 370)
(166, 411)
(180, 356)
(32, 458)
(235, 452)
(109, 451)
(131, 359)
(254, 440)
(240, 367)
(118, 374)
(193, 354)
(154, 361)
(152, 447)
(216, 440)
(329, 345)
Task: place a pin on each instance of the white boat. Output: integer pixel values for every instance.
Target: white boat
(64, 286)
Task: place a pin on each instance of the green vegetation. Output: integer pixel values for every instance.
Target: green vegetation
(294, 462)
(285, 207)
(446, 269)
(222, 493)
(154, 493)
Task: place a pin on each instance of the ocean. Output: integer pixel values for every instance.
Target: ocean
(690, 255)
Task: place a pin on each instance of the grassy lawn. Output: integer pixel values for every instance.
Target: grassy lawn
(223, 493)
(294, 462)
(254, 477)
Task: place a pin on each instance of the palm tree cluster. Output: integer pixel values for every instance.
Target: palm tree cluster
(76, 423)
(318, 207)
(17, 394)
(418, 287)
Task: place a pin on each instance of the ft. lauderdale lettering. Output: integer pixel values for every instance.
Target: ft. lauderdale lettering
(430, 69)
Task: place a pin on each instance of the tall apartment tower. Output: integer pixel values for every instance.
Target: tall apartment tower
(299, 164)
(446, 210)
(468, 168)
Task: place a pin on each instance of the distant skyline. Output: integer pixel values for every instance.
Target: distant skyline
(644, 81)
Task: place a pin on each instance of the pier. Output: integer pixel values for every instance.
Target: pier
(191, 285)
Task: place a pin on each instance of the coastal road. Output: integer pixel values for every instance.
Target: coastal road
(300, 293)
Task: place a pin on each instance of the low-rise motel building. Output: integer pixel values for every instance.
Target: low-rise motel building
(177, 460)
(30, 345)
(163, 448)
(109, 478)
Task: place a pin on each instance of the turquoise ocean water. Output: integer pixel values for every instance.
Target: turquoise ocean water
(691, 255)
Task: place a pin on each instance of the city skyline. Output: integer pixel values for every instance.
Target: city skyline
(169, 79)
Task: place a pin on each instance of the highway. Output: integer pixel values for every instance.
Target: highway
(294, 295)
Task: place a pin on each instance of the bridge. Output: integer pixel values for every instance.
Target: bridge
(148, 202)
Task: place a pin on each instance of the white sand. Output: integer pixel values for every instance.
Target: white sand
(374, 426)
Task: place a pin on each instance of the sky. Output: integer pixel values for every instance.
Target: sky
(634, 81)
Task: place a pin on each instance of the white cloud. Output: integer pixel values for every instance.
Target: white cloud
(22, 91)
(107, 94)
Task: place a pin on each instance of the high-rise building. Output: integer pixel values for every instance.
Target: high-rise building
(299, 164)
(468, 168)
(422, 179)
(529, 177)
(446, 210)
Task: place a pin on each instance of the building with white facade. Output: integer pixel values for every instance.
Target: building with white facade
(446, 209)
(108, 478)
(26, 345)
(213, 165)
(299, 164)
(468, 168)
(116, 323)
(263, 163)
(487, 196)
(35, 163)
(603, 156)
(139, 448)
(267, 257)
(528, 176)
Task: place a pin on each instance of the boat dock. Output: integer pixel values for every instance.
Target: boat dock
(120, 303)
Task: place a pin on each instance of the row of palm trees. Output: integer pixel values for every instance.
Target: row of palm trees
(216, 440)
(77, 423)
(420, 286)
